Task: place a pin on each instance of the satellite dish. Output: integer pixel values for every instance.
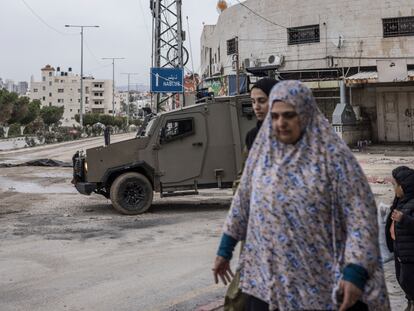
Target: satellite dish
(271, 59)
(338, 41)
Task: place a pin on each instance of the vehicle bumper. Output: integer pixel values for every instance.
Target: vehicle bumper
(85, 187)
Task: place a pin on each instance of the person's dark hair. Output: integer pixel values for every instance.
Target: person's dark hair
(265, 84)
(404, 176)
(397, 170)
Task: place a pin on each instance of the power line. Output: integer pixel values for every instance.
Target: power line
(45, 23)
(260, 16)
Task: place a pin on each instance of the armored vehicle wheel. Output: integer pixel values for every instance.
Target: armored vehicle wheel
(131, 193)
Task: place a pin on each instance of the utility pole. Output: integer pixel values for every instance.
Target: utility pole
(81, 75)
(113, 81)
(129, 96)
(168, 38)
(237, 66)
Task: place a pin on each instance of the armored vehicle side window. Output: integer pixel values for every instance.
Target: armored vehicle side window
(175, 129)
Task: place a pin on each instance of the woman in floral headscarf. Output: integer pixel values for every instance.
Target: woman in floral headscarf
(307, 214)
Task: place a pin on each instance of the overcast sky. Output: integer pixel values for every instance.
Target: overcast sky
(27, 44)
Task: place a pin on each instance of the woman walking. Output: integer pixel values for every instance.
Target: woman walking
(307, 214)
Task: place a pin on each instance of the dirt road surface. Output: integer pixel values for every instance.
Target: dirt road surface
(60, 250)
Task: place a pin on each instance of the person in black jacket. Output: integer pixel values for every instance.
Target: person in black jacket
(259, 94)
(400, 231)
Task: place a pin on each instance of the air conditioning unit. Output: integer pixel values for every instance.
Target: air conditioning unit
(257, 62)
(276, 60)
(215, 69)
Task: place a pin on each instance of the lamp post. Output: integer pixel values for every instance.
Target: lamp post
(81, 75)
(113, 81)
(128, 103)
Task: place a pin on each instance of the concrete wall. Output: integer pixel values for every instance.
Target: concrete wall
(359, 21)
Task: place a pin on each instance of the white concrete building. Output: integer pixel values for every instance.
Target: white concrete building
(322, 42)
(60, 88)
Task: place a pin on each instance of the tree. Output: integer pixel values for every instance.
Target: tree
(91, 118)
(51, 115)
(106, 119)
(6, 106)
(33, 112)
(20, 110)
(7, 101)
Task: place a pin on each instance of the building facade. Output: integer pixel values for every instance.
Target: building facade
(62, 88)
(324, 43)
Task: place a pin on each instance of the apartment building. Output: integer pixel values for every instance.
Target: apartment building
(368, 45)
(62, 88)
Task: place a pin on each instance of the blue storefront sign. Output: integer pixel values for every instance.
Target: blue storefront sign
(167, 80)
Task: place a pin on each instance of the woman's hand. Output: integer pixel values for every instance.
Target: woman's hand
(351, 294)
(397, 215)
(222, 269)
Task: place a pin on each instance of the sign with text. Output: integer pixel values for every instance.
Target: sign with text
(167, 80)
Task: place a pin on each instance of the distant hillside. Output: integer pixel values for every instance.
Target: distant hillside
(133, 87)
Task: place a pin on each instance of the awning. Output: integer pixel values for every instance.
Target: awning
(366, 77)
(362, 77)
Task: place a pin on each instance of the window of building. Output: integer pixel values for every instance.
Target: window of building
(218, 52)
(60, 100)
(399, 26)
(56, 80)
(43, 78)
(50, 83)
(43, 98)
(175, 129)
(304, 34)
(78, 90)
(50, 73)
(50, 104)
(87, 90)
(98, 110)
(35, 90)
(61, 90)
(70, 110)
(231, 46)
(44, 88)
(50, 94)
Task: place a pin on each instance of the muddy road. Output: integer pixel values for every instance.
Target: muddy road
(63, 251)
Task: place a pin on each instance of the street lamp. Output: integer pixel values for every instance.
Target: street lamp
(128, 103)
(113, 81)
(81, 75)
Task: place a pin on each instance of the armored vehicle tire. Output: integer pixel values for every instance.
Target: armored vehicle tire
(131, 193)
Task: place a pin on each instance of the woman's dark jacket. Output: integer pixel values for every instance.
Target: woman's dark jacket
(251, 135)
(403, 246)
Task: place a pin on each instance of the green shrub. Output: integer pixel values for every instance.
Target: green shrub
(14, 130)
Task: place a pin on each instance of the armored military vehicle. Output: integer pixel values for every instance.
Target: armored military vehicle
(179, 152)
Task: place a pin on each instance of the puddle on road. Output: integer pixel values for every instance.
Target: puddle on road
(53, 175)
(7, 184)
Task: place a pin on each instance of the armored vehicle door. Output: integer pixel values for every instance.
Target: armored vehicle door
(182, 147)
